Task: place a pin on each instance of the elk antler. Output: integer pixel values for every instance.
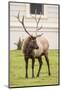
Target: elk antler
(37, 21)
(22, 22)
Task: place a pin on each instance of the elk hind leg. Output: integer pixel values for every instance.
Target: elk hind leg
(47, 60)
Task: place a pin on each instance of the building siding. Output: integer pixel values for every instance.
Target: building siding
(49, 24)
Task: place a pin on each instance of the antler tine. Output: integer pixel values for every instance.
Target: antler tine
(39, 19)
(19, 18)
(39, 28)
(38, 22)
(22, 22)
(35, 15)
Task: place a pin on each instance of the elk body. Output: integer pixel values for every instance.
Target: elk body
(34, 47)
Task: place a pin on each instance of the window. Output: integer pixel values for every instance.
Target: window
(38, 7)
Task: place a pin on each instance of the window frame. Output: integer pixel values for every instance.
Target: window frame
(42, 10)
(28, 15)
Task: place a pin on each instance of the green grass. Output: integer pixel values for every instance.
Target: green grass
(17, 70)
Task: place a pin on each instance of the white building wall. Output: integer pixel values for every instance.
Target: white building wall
(49, 22)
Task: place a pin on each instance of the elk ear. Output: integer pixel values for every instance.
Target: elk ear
(39, 35)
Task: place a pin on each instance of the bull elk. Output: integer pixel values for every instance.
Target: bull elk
(34, 47)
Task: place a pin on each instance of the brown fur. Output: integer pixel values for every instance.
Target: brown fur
(25, 44)
(43, 45)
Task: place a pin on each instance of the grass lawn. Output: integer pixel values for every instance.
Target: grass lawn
(17, 70)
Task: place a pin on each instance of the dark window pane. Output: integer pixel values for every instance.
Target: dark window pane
(38, 7)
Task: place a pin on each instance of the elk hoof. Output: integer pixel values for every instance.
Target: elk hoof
(32, 76)
(37, 75)
(26, 77)
(49, 74)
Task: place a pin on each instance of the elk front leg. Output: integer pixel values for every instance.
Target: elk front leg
(33, 61)
(40, 65)
(26, 66)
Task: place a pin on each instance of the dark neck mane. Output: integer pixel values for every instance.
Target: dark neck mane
(26, 45)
